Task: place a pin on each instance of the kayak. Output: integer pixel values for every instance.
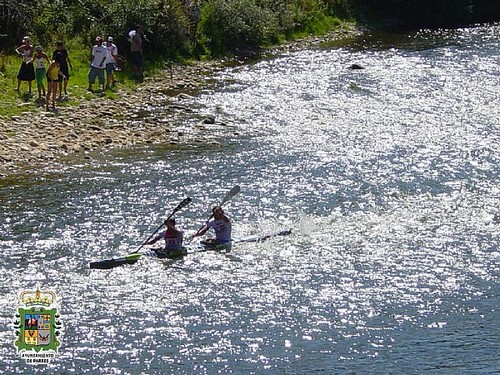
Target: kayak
(263, 237)
(132, 258)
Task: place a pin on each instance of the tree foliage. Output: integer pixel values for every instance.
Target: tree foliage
(247, 28)
(225, 25)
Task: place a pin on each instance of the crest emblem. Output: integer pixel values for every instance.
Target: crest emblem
(38, 327)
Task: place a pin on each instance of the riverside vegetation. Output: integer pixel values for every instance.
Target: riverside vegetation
(185, 41)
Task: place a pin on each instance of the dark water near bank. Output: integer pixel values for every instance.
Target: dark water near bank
(389, 177)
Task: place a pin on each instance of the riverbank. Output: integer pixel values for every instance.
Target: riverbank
(39, 138)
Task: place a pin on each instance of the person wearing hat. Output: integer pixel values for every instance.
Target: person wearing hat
(173, 238)
(65, 66)
(97, 63)
(26, 71)
(40, 70)
(110, 61)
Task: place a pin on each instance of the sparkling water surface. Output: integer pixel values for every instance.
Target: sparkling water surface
(388, 176)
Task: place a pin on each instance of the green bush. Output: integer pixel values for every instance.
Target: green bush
(233, 25)
(242, 25)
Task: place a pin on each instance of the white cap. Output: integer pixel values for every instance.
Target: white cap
(110, 38)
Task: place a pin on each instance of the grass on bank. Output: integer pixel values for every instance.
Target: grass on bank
(322, 25)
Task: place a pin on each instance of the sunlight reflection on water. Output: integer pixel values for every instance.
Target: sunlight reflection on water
(388, 175)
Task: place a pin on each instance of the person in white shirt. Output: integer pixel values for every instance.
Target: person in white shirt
(135, 39)
(27, 71)
(97, 63)
(39, 60)
(110, 62)
(221, 225)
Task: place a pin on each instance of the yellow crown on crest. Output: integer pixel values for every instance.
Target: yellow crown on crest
(31, 298)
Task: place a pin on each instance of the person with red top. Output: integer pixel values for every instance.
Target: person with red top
(172, 236)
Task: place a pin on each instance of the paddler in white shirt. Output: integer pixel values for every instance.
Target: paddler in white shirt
(221, 225)
(173, 238)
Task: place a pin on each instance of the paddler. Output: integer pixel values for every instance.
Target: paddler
(173, 238)
(221, 225)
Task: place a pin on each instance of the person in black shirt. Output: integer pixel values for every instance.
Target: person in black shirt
(65, 66)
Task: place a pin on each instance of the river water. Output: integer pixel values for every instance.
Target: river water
(388, 176)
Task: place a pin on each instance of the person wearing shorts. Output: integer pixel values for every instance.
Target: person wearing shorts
(97, 64)
(53, 74)
(110, 62)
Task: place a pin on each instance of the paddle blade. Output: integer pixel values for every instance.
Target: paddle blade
(235, 190)
(181, 205)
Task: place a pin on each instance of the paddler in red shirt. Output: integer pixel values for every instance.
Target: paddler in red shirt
(173, 237)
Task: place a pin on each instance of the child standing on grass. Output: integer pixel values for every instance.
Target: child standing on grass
(40, 70)
(53, 74)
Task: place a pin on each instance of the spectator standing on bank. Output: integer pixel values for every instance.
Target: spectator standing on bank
(40, 70)
(135, 39)
(53, 74)
(97, 63)
(110, 62)
(64, 66)
(27, 71)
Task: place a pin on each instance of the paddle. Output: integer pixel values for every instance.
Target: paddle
(180, 206)
(235, 190)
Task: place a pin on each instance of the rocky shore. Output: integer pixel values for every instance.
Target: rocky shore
(39, 138)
